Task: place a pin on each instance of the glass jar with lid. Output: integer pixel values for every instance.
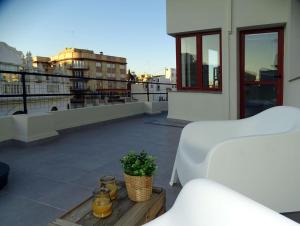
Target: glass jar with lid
(102, 205)
(110, 183)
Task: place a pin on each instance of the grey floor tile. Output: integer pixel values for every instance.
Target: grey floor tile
(18, 211)
(66, 196)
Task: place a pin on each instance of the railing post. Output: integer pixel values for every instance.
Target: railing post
(148, 95)
(24, 95)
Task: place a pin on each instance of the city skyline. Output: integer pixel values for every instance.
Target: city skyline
(134, 30)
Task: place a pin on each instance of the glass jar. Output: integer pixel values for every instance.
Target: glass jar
(102, 205)
(110, 183)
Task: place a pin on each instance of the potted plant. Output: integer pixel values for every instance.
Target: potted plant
(138, 174)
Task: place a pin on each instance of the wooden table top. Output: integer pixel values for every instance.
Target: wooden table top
(125, 212)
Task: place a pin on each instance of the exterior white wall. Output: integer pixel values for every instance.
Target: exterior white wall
(194, 106)
(292, 89)
(195, 15)
(199, 15)
(259, 12)
(231, 16)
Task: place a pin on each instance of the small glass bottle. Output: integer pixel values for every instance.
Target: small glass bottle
(110, 183)
(102, 205)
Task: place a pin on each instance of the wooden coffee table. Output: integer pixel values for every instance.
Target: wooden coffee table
(125, 211)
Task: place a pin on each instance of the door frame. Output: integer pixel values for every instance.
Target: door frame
(280, 59)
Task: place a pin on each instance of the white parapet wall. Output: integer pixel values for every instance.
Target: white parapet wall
(33, 127)
(28, 128)
(84, 116)
(6, 128)
(156, 107)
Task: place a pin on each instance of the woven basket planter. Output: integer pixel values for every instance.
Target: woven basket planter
(139, 188)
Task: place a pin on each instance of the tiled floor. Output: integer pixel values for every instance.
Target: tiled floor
(52, 176)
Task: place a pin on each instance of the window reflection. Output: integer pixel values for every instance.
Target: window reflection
(211, 61)
(259, 98)
(188, 62)
(261, 53)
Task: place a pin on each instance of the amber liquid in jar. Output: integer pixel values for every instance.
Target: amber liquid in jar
(102, 208)
(102, 205)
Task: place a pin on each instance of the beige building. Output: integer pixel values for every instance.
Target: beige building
(85, 63)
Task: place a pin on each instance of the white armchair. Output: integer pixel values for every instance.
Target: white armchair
(205, 203)
(258, 156)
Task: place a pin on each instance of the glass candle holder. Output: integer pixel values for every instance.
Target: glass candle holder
(110, 183)
(102, 205)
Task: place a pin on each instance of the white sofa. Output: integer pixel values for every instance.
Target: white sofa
(205, 203)
(258, 156)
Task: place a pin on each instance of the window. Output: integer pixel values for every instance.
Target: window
(78, 64)
(98, 74)
(78, 73)
(122, 68)
(98, 64)
(199, 61)
(188, 62)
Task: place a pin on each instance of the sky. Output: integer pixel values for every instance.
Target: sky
(135, 29)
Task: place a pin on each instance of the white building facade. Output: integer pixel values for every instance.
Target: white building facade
(10, 84)
(169, 84)
(234, 58)
(170, 73)
(161, 89)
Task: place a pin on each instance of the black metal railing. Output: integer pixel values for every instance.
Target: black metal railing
(21, 88)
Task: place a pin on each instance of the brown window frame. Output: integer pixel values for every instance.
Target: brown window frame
(199, 87)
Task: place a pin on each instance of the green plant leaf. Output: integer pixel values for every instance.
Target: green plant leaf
(141, 164)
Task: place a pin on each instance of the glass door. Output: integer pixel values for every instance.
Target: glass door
(261, 70)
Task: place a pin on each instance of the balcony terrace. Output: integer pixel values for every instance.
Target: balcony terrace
(51, 176)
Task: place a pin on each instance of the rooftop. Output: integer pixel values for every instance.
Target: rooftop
(51, 176)
(84, 54)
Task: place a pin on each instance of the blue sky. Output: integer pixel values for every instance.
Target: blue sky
(135, 29)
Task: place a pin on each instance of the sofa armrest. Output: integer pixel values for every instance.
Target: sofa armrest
(264, 168)
(206, 203)
(212, 132)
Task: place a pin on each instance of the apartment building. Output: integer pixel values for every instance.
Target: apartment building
(234, 58)
(85, 63)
